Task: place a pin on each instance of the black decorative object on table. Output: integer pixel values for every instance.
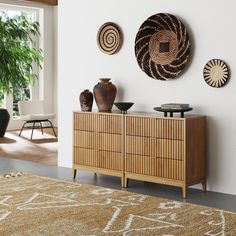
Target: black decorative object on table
(123, 106)
(171, 111)
(86, 100)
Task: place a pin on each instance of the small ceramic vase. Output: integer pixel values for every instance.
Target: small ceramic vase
(86, 100)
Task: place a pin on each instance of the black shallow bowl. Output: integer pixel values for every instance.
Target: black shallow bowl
(123, 106)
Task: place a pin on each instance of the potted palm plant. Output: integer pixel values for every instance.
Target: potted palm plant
(18, 52)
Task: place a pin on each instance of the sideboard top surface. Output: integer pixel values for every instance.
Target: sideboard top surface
(142, 114)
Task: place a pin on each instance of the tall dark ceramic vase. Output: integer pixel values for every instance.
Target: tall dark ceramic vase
(105, 94)
(86, 100)
(4, 120)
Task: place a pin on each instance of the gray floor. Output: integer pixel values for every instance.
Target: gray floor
(212, 199)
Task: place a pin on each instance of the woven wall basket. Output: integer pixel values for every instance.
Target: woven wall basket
(216, 73)
(162, 46)
(109, 38)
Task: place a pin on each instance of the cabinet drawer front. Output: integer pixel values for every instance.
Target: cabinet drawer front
(157, 167)
(98, 123)
(110, 160)
(99, 159)
(99, 141)
(155, 127)
(138, 145)
(139, 126)
(85, 139)
(171, 169)
(167, 148)
(141, 165)
(169, 129)
(110, 142)
(87, 157)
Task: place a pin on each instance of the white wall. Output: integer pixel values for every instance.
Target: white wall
(48, 86)
(213, 35)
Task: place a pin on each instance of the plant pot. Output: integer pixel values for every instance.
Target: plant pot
(4, 120)
(105, 94)
(86, 100)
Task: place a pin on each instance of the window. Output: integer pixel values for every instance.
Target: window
(25, 93)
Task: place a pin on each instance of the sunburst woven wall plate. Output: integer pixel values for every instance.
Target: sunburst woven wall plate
(162, 46)
(216, 73)
(109, 38)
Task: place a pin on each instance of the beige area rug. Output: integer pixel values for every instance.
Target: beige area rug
(33, 205)
(41, 149)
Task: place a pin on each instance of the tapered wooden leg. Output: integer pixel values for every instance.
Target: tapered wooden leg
(204, 189)
(184, 189)
(125, 182)
(74, 173)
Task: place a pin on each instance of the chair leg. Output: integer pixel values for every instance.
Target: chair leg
(32, 130)
(52, 128)
(23, 126)
(41, 127)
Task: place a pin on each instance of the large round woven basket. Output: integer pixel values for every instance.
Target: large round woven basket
(162, 46)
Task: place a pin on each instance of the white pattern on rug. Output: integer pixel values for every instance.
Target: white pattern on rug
(170, 205)
(139, 198)
(215, 225)
(131, 218)
(4, 199)
(4, 214)
(37, 201)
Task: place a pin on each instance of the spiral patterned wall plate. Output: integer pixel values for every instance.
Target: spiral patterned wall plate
(109, 38)
(216, 73)
(162, 46)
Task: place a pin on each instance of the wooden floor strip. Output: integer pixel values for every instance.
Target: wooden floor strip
(42, 149)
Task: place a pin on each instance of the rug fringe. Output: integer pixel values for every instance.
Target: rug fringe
(11, 175)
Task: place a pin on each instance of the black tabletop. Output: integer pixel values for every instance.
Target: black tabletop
(171, 111)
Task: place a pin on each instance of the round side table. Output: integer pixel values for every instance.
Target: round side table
(172, 111)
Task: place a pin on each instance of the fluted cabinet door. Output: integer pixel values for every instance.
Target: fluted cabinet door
(165, 150)
(98, 141)
(155, 147)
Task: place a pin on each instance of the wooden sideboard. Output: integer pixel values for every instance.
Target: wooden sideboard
(142, 146)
